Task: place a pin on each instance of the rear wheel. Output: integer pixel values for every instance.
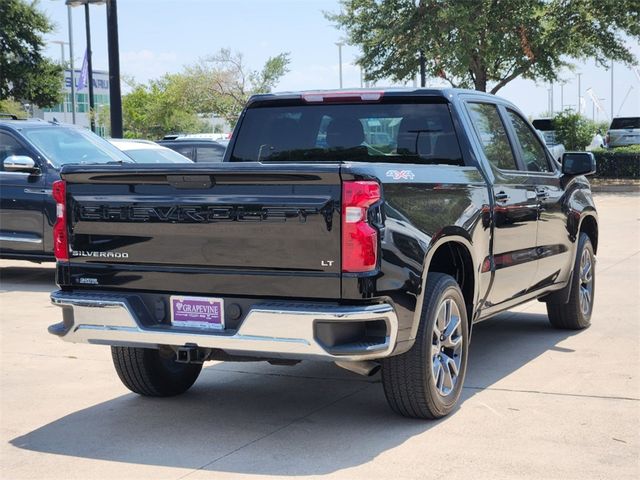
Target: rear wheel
(576, 313)
(426, 381)
(153, 373)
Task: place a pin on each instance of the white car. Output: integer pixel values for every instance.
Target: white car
(145, 151)
(624, 131)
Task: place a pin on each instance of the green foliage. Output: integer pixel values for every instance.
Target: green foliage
(151, 111)
(12, 107)
(621, 162)
(485, 43)
(633, 149)
(573, 130)
(220, 85)
(601, 126)
(25, 75)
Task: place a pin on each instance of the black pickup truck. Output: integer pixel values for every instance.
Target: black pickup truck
(366, 228)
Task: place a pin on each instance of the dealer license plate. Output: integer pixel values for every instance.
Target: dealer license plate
(197, 312)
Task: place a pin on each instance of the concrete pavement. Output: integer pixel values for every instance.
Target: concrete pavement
(538, 403)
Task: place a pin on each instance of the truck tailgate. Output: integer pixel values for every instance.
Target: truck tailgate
(228, 229)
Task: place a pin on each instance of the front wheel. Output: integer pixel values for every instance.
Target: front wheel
(576, 313)
(153, 373)
(426, 382)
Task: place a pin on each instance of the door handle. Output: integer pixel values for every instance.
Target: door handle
(502, 197)
(39, 191)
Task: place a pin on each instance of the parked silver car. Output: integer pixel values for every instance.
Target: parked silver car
(145, 151)
(624, 131)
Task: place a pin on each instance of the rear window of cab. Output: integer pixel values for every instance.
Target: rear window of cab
(625, 123)
(364, 132)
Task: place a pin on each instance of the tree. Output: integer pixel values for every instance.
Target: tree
(222, 83)
(25, 74)
(485, 44)
(151, 111)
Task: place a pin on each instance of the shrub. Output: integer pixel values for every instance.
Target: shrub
(626, 149)
(573, 130)
(621, 162)
(12, 108)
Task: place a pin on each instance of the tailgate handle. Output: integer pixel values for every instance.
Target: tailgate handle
(191, 181)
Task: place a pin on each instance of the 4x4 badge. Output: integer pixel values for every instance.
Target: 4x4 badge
(400, 174)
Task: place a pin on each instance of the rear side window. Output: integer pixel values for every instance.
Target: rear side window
(388, 132)
(492, 135)
(625, 123)
(186, 150)
(533, 155)
(209, 154)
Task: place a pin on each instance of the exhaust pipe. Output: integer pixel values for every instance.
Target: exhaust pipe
(365, 368)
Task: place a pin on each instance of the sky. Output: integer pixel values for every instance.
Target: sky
(161, 36)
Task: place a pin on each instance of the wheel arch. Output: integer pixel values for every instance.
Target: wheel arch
(589, 225)
(453, 255)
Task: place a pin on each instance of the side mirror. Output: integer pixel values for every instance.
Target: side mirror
(578, 163)
(19, 163)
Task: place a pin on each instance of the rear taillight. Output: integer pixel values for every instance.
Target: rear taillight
(359, 238)
(60, 238)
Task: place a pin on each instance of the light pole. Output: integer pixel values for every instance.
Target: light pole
(423, 69)
(62, 43)
(563, 82)
(115, 96)
(340, 45)
(422, 62)
(579, 94)
(87, 24)
(71, 66)
(611, 89)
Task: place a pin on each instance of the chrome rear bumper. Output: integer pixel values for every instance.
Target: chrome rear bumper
(270, 330)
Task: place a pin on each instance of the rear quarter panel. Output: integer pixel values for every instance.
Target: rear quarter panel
(424, 207)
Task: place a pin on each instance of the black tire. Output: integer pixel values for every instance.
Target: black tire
(571, 315)
(408, 379)
(153, 373)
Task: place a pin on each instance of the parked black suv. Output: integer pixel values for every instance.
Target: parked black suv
(31, 155)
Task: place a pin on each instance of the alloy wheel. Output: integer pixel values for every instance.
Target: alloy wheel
(446, 347)
(586, 282)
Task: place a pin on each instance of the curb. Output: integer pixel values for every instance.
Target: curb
(615, 188)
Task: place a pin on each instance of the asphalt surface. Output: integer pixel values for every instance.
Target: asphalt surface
(538, 403)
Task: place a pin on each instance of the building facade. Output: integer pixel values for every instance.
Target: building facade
(62, 112)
